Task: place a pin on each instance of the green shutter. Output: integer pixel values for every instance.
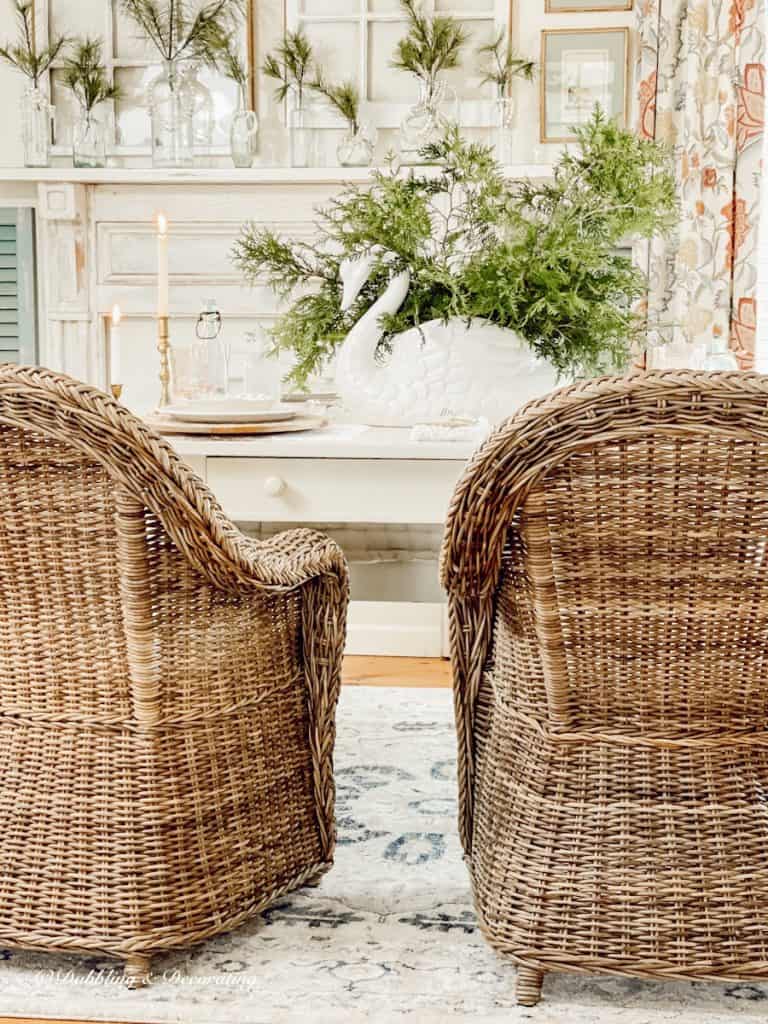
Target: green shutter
(18, 319)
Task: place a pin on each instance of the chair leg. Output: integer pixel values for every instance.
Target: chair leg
(528, 989)
(136, 973)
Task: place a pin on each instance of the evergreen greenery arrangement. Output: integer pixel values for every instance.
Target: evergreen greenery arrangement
(290, 65)
(86, 75)
(537, 257)
(24, 54)
(433, 44)
(501, 65)
(184, 30)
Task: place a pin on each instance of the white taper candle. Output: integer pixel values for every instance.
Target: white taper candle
(162, 265)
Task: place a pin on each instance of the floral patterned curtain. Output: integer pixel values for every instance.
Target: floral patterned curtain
(702, 89)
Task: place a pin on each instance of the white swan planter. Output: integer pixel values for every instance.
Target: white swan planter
(475, 369)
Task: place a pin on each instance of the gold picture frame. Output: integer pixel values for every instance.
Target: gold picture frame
(588, 7)
(623, 109)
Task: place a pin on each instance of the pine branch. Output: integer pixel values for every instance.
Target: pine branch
(23, 54)
(343, 97)
(86, 76)
(234, 68)
(505, 66)
(178, 32)
(433, 44)
(290, 65)
(155, 23)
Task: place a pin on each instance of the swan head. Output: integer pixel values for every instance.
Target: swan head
(355, 272)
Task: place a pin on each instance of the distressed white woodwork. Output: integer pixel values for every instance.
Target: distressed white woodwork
(407, 629)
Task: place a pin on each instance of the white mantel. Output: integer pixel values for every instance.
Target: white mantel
(219, 175)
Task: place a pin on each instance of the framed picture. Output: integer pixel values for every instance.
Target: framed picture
(580, 6)
(581, 68)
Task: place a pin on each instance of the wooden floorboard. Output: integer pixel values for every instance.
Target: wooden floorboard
(370, 671)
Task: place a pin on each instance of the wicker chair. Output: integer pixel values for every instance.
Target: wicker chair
(167, 689)
(606, 559)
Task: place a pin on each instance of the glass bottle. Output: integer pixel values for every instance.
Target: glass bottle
(243, 132)
(89, 145)
(301, 136)
(208, 330)
(36, 117)
(504, 130)
(170, 108)
(356, 147)
(426, 122)
(262, 376)
(198, 96)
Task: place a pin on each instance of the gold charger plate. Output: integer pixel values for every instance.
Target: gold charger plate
(166, 425)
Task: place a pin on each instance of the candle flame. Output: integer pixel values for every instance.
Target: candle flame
(162, 223)
(117, 316)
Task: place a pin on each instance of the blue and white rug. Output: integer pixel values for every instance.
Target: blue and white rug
(388, 936)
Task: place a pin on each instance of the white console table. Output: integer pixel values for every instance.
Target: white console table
(348, 474)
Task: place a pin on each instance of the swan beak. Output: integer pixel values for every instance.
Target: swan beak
(348, 295)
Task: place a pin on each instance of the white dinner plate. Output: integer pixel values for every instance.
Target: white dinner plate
(240, 411)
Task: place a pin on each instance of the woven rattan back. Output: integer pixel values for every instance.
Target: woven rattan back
(62, 646)
(646, 563)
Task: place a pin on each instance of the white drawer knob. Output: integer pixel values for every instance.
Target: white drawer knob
(274, 485)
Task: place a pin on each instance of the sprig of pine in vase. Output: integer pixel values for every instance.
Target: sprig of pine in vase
(433, 44)
(344, 98)
(290, 65)
(23, 54)
(539, 258)
(86, 76)
(505, 65)
(181, 30)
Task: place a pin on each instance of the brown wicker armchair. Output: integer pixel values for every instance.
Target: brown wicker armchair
(606, 558)
(167, 689)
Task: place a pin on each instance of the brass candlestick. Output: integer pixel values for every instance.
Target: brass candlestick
(164, 347)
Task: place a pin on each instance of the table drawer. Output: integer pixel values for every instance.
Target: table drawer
(333, 490)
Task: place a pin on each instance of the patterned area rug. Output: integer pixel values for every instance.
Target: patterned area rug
(389, 935)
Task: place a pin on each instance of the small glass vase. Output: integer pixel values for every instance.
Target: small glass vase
(301, 136)
(170, 108)
(89, 144)
(36, 119)
(426, 122)
(198, 97)
(262, 375)
(243, 133)
(356, 147)
(504, 130)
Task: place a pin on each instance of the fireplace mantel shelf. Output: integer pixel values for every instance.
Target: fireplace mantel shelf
(218, 175)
